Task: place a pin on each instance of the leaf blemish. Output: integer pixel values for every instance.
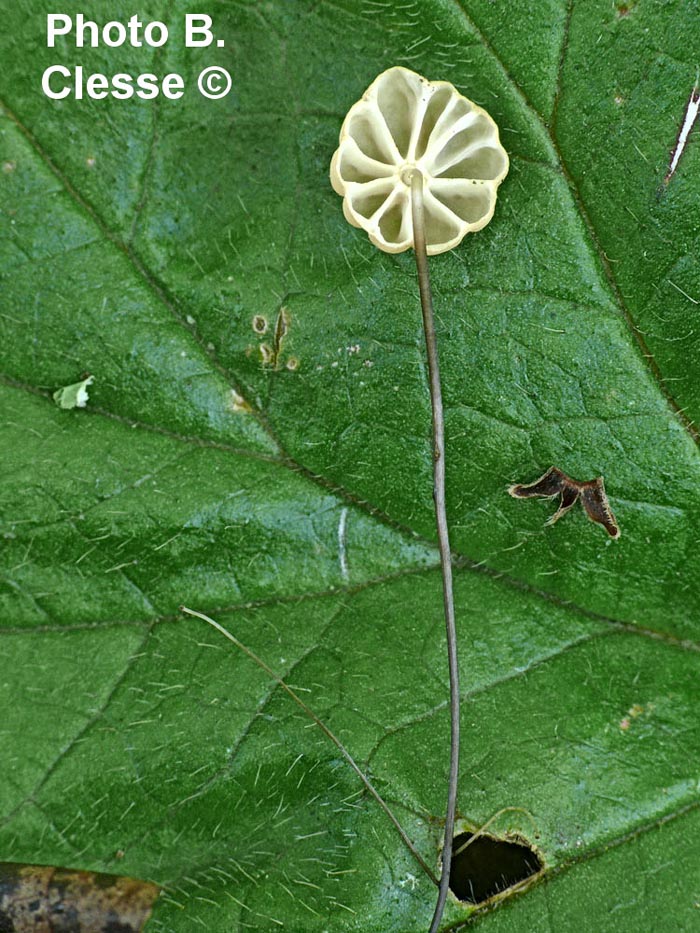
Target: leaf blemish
(556, 483)
(284, 319)
(484, 866)
(239, 404)
(689, 118)
(342, 555)
(271, 355)
(34, 897)
(634, 712)
(260, 324)
(74, 395)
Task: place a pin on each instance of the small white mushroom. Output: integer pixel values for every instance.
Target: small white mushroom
(418, 165)
(404, 122)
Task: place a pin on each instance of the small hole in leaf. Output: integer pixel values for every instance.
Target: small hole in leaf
(488, 866)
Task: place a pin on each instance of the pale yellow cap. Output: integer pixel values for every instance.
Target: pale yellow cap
(404, 122)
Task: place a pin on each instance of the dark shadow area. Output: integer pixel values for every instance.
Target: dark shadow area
(488, 866)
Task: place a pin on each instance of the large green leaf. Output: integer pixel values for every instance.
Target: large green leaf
(140, 241)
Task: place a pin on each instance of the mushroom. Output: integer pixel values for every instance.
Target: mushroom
(406, 130)
(419, 165)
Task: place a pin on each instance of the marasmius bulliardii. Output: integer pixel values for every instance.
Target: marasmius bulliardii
(418, 165)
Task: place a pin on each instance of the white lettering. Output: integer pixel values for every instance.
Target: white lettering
(135, 25)
(97, 87)
(173, 86)
(46, 82)
(196, 24)
(81, 24)
(109, 39)
(162, 34)
(114, 34)
(147, 86)
(122, 86)
(52, 27)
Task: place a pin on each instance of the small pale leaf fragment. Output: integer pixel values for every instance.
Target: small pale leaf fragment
(238, 403)
(75, 395)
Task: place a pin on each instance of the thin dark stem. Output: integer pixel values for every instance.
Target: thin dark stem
(326, 731)
(426, 300)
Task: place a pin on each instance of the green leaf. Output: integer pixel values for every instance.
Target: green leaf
(156, 245)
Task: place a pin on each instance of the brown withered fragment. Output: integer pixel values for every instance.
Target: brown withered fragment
(556, 483)
(43, 899)
(282, 323)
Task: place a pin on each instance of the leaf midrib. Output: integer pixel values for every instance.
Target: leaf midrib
(460, 563)
(460, 560)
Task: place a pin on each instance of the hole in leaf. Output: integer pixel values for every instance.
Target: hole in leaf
(488, 866)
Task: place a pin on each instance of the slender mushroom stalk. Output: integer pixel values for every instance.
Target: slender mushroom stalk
(419, 165)
(426, 300)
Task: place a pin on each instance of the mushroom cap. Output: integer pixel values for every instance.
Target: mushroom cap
(405, 122)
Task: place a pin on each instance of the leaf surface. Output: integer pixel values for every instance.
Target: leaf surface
(155, 246)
